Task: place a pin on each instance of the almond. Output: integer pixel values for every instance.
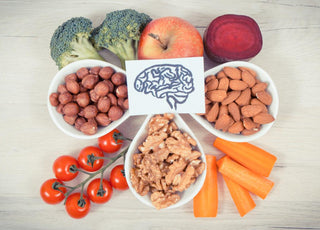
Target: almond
(207, 101)
(223, 83)
(249, 124)
(250, 110)
(247, 132)
(251, 71)
(244, 98)
(217, 95)
(238, 85)
(223, 110)
(236, 128)
(212, 84)
(224, 122)
(259, 87)
(263, 118)
(212, 114)
(255, 101)
(234, 111)
(221, 74)
(209, 78)
(232, 72)
(264, 97)
(231, 96)
(248, 78)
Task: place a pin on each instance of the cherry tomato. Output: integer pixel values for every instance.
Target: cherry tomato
(50, 193)
(77, 207)
(99, 196)
(108, 144)
(62, 168)
(117, 178)
(86, 158)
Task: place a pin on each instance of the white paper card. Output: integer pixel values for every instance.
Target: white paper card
(166, 86)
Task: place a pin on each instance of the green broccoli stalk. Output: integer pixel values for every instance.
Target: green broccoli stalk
(120, 33)
(70, 42)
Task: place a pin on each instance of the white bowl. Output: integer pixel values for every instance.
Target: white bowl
(58, 118)
(140, 137)
(273, 108)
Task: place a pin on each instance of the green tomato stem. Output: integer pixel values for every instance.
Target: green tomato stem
(91, 175)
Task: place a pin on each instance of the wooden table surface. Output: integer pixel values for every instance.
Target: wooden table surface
(30, 141)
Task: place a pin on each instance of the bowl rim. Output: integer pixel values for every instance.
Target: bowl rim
(273, 108)
(59, 78)
(128, 164)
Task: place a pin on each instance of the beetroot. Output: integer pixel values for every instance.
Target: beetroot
(232, 37)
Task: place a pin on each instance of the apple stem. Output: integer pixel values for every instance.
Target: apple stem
(155, 36)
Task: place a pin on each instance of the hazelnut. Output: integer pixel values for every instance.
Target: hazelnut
(118, 78)
(89, 128)
(110, 84)
(123, 103)
(90, 111)
(83, 99)
(120, 102)
(113, 98)
(72, 86)
(62, 88)
(54, 99)
(103, 104)
(101, 89)
(115, 113)
(59, 108)
(71, 109)
(79, 121)
(82, 88)
(93, 96)
(106, 72)
(122, 91)
(82, 72)
(126, 104)
(103, 119)
(95, 70)
(65, 98)
(90, 81)
(71, 76)
(70, 119)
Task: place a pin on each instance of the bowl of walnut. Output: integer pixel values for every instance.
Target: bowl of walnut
(165, 164)
(241, 102)
(88, 98)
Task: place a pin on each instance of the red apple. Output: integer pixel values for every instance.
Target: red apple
(169, 37)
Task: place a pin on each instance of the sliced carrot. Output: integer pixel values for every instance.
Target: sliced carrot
(246, 178)
(240, 196)
(250, 156)
(205, 203)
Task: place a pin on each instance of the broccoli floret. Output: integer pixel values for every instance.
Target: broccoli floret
(70, 42)
(120, 33)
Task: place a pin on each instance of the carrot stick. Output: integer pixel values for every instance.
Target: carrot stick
(250, 156)
(205, 203)
(241, 197)
(246, 178)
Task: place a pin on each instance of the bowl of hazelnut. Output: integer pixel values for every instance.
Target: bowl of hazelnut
(88, 98)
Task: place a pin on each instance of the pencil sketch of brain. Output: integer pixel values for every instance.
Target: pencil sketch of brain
(172, 82)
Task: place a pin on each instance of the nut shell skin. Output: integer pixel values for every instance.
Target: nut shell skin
(115, 113)
(71, 109)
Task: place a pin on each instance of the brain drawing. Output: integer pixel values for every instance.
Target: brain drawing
(172, 82)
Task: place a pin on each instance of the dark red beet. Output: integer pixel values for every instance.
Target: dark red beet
(232, 37)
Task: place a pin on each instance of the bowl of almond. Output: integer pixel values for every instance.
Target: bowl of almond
(88, 98)
(242, 102)
(165, 165)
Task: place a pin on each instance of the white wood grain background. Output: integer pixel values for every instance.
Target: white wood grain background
(30, 142)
